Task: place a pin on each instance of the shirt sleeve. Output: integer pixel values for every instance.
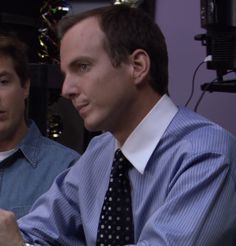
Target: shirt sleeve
(54, 216)
(199, 208)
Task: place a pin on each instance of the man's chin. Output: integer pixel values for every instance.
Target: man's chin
(92, 127)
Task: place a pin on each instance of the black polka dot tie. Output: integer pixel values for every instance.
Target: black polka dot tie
(116, 220)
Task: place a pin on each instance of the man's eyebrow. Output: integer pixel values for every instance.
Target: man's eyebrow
(75, 62)
(79, 60)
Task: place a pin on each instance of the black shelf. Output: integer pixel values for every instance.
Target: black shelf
(222, 86)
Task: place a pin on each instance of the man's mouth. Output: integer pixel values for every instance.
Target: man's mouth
(3, 115)
(82, 108)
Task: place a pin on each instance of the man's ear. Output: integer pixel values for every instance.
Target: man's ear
(140, 61)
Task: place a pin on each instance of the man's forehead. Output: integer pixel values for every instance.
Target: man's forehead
(6, 61)
(84, 39)
(84, 35)
(86, 28)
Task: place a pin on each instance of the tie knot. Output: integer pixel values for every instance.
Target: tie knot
(120, 161)
(119, 155)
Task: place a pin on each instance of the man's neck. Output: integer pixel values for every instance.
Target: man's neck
(11, 141)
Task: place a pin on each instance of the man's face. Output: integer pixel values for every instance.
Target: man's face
(103, 95)
(12, 105)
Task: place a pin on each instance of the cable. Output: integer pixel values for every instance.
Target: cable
(206, 89)
(193, 83)
(202, 95)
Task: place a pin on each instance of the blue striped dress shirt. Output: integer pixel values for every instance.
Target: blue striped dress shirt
(183, 191)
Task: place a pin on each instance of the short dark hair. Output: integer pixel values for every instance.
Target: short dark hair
(11, 46)
(127, 29)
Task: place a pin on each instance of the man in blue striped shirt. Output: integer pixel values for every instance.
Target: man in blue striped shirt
(183, 176)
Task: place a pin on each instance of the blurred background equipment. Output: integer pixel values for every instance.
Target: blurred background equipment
(219, 19)
(132, 3)
(50, 13)
(22, 18)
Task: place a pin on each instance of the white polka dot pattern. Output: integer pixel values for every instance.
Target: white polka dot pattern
(116, 219)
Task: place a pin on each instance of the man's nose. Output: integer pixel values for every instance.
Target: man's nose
(69, 89)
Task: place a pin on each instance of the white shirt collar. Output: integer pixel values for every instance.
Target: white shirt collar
(5, 154)
(141, 143)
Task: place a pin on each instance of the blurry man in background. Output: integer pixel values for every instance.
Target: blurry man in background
(29, 162)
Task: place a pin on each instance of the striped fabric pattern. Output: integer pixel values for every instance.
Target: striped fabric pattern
(186, 195)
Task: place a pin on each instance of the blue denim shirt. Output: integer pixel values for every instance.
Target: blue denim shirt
(32, 172)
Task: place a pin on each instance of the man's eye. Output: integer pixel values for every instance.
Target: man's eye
(4, 81)
(83, 67)
(80, 67)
